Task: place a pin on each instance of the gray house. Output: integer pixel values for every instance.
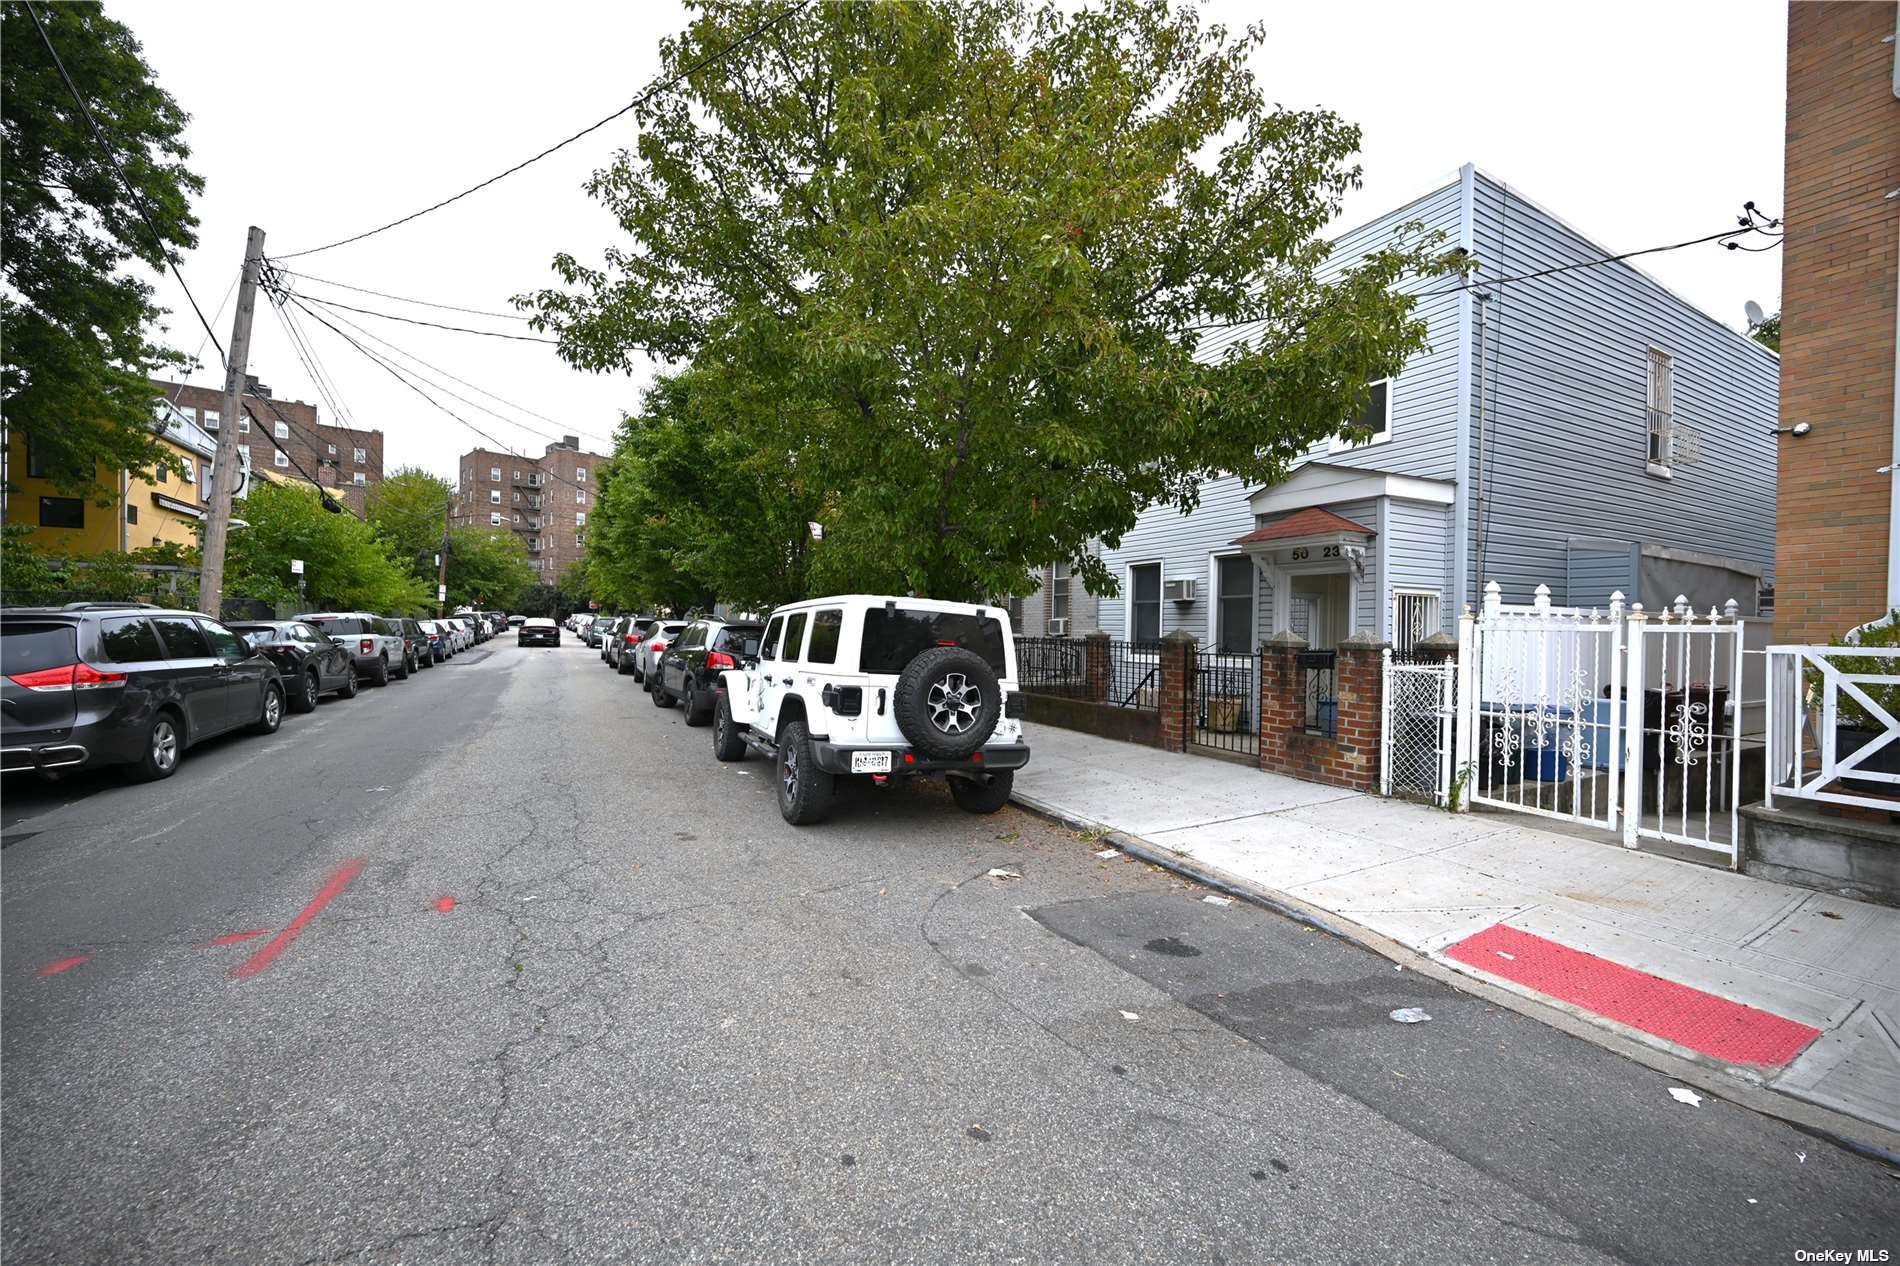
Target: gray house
(1586, 429)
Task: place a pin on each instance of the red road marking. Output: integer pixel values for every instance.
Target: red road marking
(339, 880)
(232, 938)
(1701, 1021)
(445, 904)
(54, 969)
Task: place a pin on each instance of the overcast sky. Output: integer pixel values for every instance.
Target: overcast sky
(1640, 124)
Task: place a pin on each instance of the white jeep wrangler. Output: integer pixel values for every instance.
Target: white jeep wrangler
(880, 687)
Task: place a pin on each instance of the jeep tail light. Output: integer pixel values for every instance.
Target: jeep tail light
(719, 659)
(368, 646)
(67, 677)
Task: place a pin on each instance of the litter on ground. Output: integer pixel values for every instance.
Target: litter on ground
(1680, 1095)
(1107, 853)
(1130, 1015)
(1410, 1015)
(997, 872)
(1212, 900)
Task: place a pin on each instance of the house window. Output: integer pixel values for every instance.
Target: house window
(188, 414)
(164, 476)
(580, 474)
(580, 497)
(204, 481)
(131, 513)
(281, 430)
(360, 479)
(359, 455)
(212, 420)
(188, 469)
(494, 518)
(1234, 613)
(1059, 596)
(62, 512)
(1015, 606)
(244, 424)
(330, 450)
(580, 539)
(35, 458)
(1373, 421)
(1661, 410)
(494, 474)
(280, 458)
(494, 496)
(1144, 589)
(1415, 616)
(580, 519)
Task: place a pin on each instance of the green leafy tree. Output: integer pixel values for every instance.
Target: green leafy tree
(75, 352)
(407, 511)
(346, 564)
(1767, 332)
(487, 568)
(972, 254)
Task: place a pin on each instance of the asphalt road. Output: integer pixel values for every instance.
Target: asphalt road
(578, 994)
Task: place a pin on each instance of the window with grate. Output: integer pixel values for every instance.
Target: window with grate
(1415, 616)
(1661, 401)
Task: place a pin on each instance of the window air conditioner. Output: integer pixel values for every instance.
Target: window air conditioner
(1181, 590)
(1058, 627)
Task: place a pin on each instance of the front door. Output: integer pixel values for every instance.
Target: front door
(245, 671)
(776, 673)
(197, 674)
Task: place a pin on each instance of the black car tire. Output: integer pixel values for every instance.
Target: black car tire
(804, 790)
(696, 711)
(626, 666)
(164, 745)
(728, 743)
(661, 697)
(973, 796)
(379, 675)
(947, 702)
(349, 687)
(402, 668)
(271, 712)
(305, 700)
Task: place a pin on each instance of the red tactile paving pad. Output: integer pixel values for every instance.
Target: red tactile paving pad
(1702, 1022)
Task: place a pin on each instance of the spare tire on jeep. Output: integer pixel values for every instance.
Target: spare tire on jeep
(947, 702)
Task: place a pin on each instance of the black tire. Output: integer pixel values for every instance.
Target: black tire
(350, 685)
(728, 743)
(164, 745)
(402, 669)
(626, 667)
(982, 797)
(804, 790)
(638, 675)
(271, 711)
(661, 697)
(379, 675)
(696, 711)
(947, 702)
(308, 688)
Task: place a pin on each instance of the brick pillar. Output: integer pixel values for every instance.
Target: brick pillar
(1095, 667)
(1437, 648)
(1177, 663)
(1282, 701)
(1361, 690)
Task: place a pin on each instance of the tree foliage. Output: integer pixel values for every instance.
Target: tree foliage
(408, 511)
(1767, 332)
(958, 267)
(488, 568)
(75, 351)
(346, 564)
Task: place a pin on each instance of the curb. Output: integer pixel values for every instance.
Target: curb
(1856, 1135)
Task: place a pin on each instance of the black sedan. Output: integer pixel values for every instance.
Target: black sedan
(309, 661)
(538, 632)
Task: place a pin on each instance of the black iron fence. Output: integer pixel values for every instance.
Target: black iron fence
(1052, 666)
(1320, 673)
(1124, 674)
(1223, 702)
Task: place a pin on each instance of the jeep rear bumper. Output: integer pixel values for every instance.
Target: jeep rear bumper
(835, 759)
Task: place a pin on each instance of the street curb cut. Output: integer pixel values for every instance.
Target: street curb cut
(1864, 1137)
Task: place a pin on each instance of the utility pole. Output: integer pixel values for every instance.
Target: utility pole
(225, 466)
(442, 562)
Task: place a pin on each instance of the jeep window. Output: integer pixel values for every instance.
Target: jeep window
(129, 641)
(894, 637)
(794, 638)
(768, 649)
(825, 628)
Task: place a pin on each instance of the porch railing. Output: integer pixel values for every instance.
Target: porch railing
(1833, 725)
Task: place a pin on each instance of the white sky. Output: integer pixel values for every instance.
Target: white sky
(1640, 124)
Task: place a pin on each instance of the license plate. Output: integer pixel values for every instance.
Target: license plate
(870, 762)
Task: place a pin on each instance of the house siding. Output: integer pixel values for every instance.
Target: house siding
(1563, 377)
(1598, 569)
(1417, 550)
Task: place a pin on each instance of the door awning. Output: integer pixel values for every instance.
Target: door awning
(1295, 527)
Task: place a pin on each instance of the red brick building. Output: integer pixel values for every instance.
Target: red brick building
(545, 499)
(287, 439)
(1837, 557)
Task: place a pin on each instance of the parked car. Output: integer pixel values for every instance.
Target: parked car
(896, 687)
(438, 640)
(621, 636)
(596, 630)
(689, 669)
(463, 636)
(96, 684)
(538, 632)
(418, 639)
(516, 621)
(374, 641)
(654, 640)
(310, 663)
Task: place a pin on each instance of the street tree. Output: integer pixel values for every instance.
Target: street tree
(407, 510)
(346, 564)
(487, 567)
(1006, 275)
(76, 317)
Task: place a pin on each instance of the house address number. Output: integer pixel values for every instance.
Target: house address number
(1325, 551)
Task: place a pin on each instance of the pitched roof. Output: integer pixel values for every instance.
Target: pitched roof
(1313, 522)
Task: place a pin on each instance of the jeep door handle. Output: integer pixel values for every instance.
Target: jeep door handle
(784, 681)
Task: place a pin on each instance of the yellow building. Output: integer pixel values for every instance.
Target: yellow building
(149, 508)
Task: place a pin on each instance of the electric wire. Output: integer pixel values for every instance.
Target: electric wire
(437, 325)
(381, 294)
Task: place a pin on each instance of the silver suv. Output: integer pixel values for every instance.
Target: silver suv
(374, 643)
(880, 687)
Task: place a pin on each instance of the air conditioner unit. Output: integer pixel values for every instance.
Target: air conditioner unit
(1181, 590)
(1059, 627)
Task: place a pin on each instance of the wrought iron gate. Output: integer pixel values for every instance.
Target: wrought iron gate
(1415, 759)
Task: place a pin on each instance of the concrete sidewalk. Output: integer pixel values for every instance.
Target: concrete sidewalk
(1577, 915)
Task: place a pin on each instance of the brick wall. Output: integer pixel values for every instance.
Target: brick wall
(1839, 264)
(313, 449)
(1348, 757)
(542, 514)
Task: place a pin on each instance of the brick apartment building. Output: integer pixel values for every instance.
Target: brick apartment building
(1837, 556)
(546, 500)
(285, 435)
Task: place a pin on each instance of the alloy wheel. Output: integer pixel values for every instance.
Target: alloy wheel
(164, 745)
(953, 702)
(790, 774)
(273, 708)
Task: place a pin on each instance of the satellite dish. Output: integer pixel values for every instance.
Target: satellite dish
(1754, 313)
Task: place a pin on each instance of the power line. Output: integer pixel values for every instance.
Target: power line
(328, 500)
(426, 303)
(435, 325)
(306, 356)
(138, 201)
(750, 35)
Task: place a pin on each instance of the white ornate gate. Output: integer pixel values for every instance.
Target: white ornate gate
(1415, 758)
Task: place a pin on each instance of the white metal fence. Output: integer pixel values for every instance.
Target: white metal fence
(1832, 726)
(1415, 758)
